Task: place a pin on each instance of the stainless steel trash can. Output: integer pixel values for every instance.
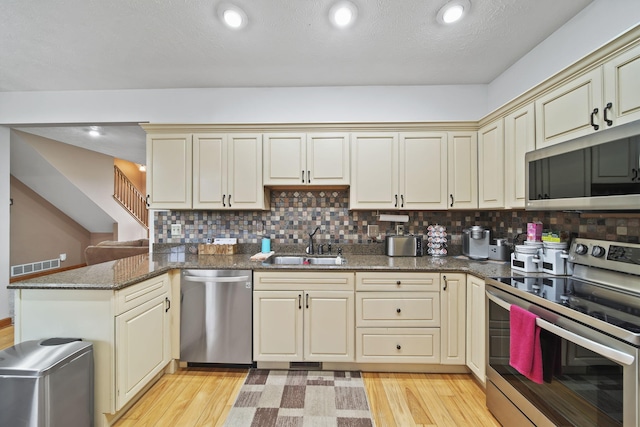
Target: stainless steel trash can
(47, 383)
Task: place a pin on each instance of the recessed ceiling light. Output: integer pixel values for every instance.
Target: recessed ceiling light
(453, 11)
(343, 14)
(232, 16)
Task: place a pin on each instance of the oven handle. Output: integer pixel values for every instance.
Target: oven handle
(610, 353)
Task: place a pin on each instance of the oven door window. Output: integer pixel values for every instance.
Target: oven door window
(580, 388)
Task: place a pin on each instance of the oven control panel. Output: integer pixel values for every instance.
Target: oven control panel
(617, 256)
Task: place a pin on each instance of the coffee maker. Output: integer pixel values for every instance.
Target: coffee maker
(475, 242)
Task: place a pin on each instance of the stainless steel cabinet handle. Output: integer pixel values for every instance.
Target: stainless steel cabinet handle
(596, 347)
(444, 279)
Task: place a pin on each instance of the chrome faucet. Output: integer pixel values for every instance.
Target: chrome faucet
(310, 249)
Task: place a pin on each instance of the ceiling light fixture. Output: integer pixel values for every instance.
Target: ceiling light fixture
(343, 14)
(453, 11)
(232, 16)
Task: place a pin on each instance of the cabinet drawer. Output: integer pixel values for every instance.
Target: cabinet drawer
(398, 281)
(398, 309)
(398, 345)
(138, 294)
(295, 281)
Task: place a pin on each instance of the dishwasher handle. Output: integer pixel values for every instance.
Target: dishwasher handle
(234, 279)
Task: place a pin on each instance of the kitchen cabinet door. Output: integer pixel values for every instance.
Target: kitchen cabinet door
(209, 170)
(374, 171)
(329, 330)
(453, 324)
(328, 159)
(277, 326)
(285, 159)
(169, 169)
(622, 87)
(143, 347)
(244, 176)
(491, 165)
(423, 170)
(476, 357)
(568, 111)
(462, 172)
(519, 138)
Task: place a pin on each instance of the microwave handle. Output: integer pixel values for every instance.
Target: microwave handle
(609, 353)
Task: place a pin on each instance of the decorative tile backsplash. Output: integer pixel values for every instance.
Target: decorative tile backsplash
(295, 213)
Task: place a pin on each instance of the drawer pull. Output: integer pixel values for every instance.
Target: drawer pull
(398, 283)
(399, 347)
(398, 310)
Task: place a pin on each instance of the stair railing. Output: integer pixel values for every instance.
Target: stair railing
(129, 197)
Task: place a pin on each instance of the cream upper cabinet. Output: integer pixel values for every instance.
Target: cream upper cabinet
(491, 165)
(476, 316)
(423, 170)
(622, 88)
(374, 171)
(453, 325)
(303, 317)
(399, 171)
(462, 181)
(205, 171)
(306, 159)
(519, 138)
(169, 171)
(569, 111)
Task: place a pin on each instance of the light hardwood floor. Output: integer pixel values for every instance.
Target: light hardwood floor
(203, 397)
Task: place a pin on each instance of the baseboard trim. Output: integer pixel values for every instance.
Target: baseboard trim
(5, 322)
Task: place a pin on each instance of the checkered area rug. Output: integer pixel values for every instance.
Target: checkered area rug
(300, 399)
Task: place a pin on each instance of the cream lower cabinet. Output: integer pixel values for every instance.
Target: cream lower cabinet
(303, 317)
(476, 324)
(129, 329)
(397, 317)
(453, 302)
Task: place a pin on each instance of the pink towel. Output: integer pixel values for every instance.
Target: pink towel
(524, 350)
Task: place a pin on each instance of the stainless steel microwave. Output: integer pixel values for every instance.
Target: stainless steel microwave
(600, 171)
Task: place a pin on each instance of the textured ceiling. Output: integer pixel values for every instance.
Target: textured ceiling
(145, 44)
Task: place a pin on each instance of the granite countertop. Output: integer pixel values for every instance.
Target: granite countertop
(114, 275)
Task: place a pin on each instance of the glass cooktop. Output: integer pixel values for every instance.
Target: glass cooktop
(613, 306)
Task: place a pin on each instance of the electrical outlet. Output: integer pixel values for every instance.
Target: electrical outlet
(176, 229)
(373, 231)
(400, 229)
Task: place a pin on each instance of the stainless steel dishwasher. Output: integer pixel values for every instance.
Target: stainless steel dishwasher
(216, 316)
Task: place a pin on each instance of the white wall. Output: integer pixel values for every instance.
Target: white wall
(597, 24)
(5, 194)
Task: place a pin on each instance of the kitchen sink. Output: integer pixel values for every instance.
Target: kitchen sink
(304, 260)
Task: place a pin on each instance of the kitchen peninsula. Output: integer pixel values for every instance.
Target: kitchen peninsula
(125, 308)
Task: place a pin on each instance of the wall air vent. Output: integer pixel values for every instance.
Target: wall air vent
(34, 267)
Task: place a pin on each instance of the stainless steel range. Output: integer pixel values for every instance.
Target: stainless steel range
(589, 336)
